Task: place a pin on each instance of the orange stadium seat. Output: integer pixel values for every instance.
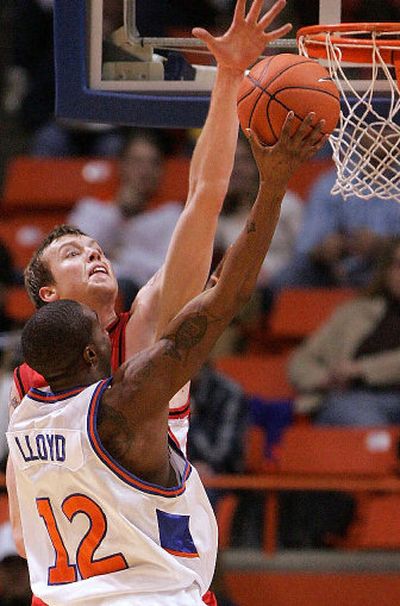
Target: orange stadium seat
(261, 375)
(23, 231)
(377, 524)
(37, 183)
(339, 450)
(298, 312)
(309, 458)
(18, 305)
(351, 452)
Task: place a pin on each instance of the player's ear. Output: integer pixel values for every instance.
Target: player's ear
(90, 355)
(48, 294)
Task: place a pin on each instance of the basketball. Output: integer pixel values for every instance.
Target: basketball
(281, 83)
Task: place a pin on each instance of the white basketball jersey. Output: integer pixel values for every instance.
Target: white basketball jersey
(178, 417)
(95, 534)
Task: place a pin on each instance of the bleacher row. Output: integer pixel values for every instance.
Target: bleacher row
(38, 194)
(300, 456)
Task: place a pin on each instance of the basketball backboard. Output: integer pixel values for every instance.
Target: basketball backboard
(114, 74)
(108, 71)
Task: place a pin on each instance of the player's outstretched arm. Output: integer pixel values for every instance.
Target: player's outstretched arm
(211, 166)
(142, 387)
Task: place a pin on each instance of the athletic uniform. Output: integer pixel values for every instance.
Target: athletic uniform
(179, 406)
(77, 503)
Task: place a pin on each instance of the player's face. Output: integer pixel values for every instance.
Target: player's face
(81, 271)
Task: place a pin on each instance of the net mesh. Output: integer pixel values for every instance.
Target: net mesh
(366, 142)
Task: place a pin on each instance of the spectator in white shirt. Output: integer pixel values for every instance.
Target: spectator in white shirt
(134, 237)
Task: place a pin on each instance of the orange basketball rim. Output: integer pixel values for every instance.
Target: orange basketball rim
(356, 42)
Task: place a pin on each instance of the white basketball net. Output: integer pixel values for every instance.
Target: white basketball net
(365, 144)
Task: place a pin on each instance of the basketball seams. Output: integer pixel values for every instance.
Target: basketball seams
(246, 95)
(256, 107)
(254, 89)
(287, 108)
(271, 128)
(286, 69)
(253, 80)
(256, 81)
(273, 97)
(314, 90)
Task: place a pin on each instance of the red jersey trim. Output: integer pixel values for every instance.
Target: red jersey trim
(117, 330)
(181, 412)
(40, 396)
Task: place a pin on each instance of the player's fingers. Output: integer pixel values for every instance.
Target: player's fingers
(313, 149)
(317, 132)
(286, 128)
(254, 11)
(304, 128)
(240, 10)
(254, 141)
(205, 36)
(277, 33)
(272, 13)
(321, 142)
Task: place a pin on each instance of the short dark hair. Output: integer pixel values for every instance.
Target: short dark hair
(37, 273)
(54, 338)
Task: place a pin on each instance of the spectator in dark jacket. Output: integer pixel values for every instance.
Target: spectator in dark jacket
(217, 425)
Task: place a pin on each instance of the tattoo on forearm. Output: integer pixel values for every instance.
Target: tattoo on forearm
(188, 335)
(115, 430)
(251, 226)
(145, 371)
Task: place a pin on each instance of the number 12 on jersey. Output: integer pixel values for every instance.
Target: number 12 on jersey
(63, 570)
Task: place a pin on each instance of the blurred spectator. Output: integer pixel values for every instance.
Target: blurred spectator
(348, 372)
(241, 193)
(133, 237)
(218, 422)
(338, 241)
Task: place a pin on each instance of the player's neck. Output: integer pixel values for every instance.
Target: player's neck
(107, 318)
(105, 313)
(79, 379)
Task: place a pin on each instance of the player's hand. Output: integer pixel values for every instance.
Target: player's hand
(281, 160)
(246, 38)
